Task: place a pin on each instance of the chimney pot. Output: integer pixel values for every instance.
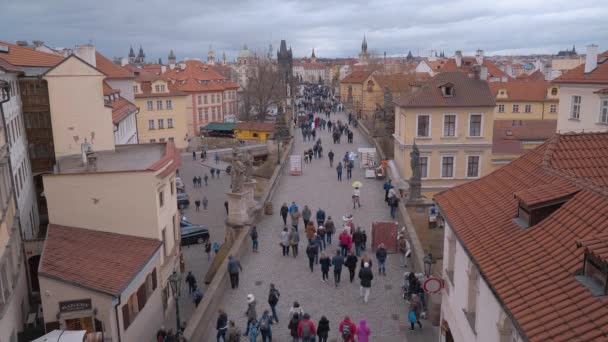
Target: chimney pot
(591, 58)
(458, 58)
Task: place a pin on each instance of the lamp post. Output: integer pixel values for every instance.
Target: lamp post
(429, 260)
(175, 282)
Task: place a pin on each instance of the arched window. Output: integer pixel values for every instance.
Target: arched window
(370, 86)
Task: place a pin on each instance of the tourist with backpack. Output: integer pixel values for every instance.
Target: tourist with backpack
(325, 265)
(191, 282)
(293, 327)
(306, 329)
(330, 229)
(381, 254)
(254, 238)
(265, 329)
(251, 313)
(296, 309)
(337, 261)
(311, 253)
(366, 276)
(351, 264)
(323, 329)
(254, 331)
(347, 330)
(197, 296)
(294, 240)
(273, 300)
(222, 325)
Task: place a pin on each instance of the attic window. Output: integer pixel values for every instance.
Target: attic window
(553, 91)
(533, 209)
(594, 274)
(447, 90)
(502, 92)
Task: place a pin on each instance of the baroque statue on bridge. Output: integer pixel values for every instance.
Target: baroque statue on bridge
(237, 172)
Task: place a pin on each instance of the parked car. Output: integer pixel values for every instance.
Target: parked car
(183, 200)
(194, 234)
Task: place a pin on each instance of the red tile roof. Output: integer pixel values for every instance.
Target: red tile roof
(121, 108)
(468, 92)
(171, 160)
(535, 76)
(599, 75)
(111, 70)
(8, 67)
(357, 76)
(104, 262)
(469, 62)
(197, 77)
(510, 135)
(596, 245)
(397, 83)
(255, 126)
(24, 56)
(107, 90)
(521, 90)
(532, 271)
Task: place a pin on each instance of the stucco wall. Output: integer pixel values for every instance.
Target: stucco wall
(590, 108)
(125, 86)
(179, 113)
(15, 311)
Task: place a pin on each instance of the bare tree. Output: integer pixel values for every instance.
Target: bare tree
(264, 90)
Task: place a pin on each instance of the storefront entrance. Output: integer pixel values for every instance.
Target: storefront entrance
(83, 323)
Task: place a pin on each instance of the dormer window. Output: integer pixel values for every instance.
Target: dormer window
(594, 273)
(553, 91)
(537, 203)
(447, 90)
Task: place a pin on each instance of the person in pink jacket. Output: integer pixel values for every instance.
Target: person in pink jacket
(363, 331)
(346, 242)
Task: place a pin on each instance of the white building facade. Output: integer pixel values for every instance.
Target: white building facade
(20, 161)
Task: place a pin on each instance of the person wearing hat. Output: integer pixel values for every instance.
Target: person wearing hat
(366, 276)
(356, 197)
(251, 313)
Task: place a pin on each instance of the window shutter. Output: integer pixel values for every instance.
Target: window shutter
(125, 316)
(141, 297)
(154, 279)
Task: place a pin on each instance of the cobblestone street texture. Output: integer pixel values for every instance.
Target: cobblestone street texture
(386, 311)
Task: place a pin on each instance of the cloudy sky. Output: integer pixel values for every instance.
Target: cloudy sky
(334, 28)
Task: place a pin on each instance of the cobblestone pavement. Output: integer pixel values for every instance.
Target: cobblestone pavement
(386, 311)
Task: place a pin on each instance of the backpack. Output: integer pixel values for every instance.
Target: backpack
(273, 298)
(346, 331)
(254, 330)
(254, 234)
(306, 331)
(264, 324)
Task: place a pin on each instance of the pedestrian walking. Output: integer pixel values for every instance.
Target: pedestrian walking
(339, 171)
(387, 186)
(381, 257)
(366, 276)
(284, 211)
(346, 242)
(295, 218)
(296, 309)
(351, 264)
(197, 203)
(414, 311)
(337, 261)
(394, 204)
(306, 214)
(365, 259)
(193, 155)
(234, 333)
(212, 172)
(293, 207)
(294, 240)
(208, 249)
(356, 197)
(197, 296)
(347, 330)
(323, 329)
(194, 182)
(349, 169)
(205, 202)
(206, 179)
(363, 331)
(265, 329)
(191, 281)
(358, 240)
(216, 247)
(321, 232)
(325, 265)
(254, 330)
(311, 252)
(285, 241)
(250, 313)
(217, 158)
(293, 327)
(226, 206)
(273, 300)
(234, 267)
(320, 217)
(254, 239)
(310, 231)
(217, 172)
(330, 229)
(199, 180)
(221, 325)
(306, 329)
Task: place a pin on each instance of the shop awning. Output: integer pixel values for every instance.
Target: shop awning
(63, 336)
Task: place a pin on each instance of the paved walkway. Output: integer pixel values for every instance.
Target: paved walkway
(386, 311)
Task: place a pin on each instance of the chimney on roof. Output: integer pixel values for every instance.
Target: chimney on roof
(591, 58)
(86, 53)
(163, 68)
(458, 58)
(37, 43)
(22, 42)
(479, 56)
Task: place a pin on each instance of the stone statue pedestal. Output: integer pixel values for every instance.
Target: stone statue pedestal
(238, 209)
(250, 190)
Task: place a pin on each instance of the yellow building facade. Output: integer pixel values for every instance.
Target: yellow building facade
(163, 113)
(525, 100)
(450, 120)
(352, 92)
(260, 131)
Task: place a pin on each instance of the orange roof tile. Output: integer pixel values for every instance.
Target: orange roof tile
(521, 90)
(357, 76)
(255, 126)
(24, 56)
(111, 70)
(397, 83)
(104, 262)
(596, 245)
(469, 62)
(578, 75)
(8, 67)
(531, 271)
(121, 108)
(197, 77)
(510, 135)
(107, 90)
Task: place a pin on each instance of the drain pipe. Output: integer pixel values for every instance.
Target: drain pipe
(116, 315)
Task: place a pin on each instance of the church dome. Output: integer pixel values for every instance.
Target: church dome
(245, 53)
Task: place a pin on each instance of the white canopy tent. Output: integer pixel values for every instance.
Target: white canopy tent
(63, 336)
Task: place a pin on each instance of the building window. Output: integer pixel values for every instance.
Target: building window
(150, 105)
(575, 111)
(164, 237)
(171, 139)
(213, 114)
(473, 166)
(161, 123)
(475, 125)
(161, 198)
(135, 89)
(449, 125)
(604, 110)
(553, 91)
(424, 167)
(515, 108)
(424, 126)
(528, 108)
(169, 123)
(473, 292)
(200, 115)
(501, 108)
(152, 141)
(451, 257)
(162, 140)
(159, 105)
(205, 99)
(150, 124)
(447, 167)
(169, 104)
(157, 88)
(206, 114)
(553, 108)
(200, 99)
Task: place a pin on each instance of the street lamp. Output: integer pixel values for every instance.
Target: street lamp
(175, 281)
(429, 260)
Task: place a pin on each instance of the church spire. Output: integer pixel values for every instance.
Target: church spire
(313, 57)
(131, 52)
(364, 45)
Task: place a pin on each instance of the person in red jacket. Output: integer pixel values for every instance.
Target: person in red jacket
(347, 330)
(306, 329)
(346, 242)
